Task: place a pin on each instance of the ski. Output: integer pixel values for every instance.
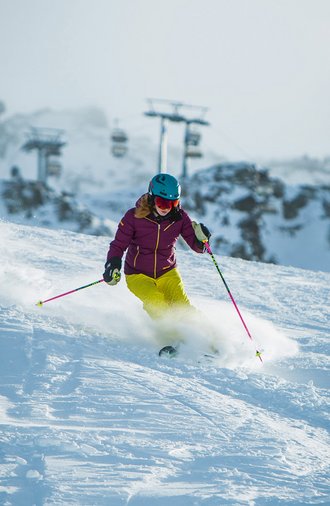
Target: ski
(172, 352)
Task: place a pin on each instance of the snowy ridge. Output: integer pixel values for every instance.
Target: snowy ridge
(90, 416)
(257, 217)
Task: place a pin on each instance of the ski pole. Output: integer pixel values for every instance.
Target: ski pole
(208, 249)
(42, 302)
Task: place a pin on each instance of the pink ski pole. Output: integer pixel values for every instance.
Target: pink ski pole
(42, 302)
(208, 249)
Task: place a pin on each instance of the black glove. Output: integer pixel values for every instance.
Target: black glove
(112, 274)
(202, 233)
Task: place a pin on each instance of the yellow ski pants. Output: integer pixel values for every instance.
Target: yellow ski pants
(159, 294)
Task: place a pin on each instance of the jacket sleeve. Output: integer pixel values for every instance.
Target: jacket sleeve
(188, 234)
(123, 237)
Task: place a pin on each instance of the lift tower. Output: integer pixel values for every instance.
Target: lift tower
(48, 143)
(174, 114)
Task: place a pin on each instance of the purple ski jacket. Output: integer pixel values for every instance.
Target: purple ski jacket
(151, 242)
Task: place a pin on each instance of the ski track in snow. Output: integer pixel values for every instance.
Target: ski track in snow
(90, 415)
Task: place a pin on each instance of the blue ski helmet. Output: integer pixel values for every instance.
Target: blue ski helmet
(166, 186)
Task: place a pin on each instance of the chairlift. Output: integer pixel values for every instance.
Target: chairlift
(119, 150)
(193, 152)
(119, 140)
(53, 151)
(193, 138)
(119, 135)
(54, 168)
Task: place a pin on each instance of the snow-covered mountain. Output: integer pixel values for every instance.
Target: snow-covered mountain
(91, 416)
(252, 212)
(258, 217)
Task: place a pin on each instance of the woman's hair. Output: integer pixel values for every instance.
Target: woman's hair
(144, 207)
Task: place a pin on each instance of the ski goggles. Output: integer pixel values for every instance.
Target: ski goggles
(165, 203)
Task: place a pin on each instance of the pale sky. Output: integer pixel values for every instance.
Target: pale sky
(261, 66)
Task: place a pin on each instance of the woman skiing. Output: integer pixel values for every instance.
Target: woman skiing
(149, 233)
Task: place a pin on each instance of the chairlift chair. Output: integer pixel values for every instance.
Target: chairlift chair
(119, 135)
(193, 138)
(193, 152)
(119, 140)
(54, 168)
(119, 150)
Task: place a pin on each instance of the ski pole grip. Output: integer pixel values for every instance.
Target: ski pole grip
(207, 246)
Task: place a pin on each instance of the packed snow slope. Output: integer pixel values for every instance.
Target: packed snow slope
(91, 416)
